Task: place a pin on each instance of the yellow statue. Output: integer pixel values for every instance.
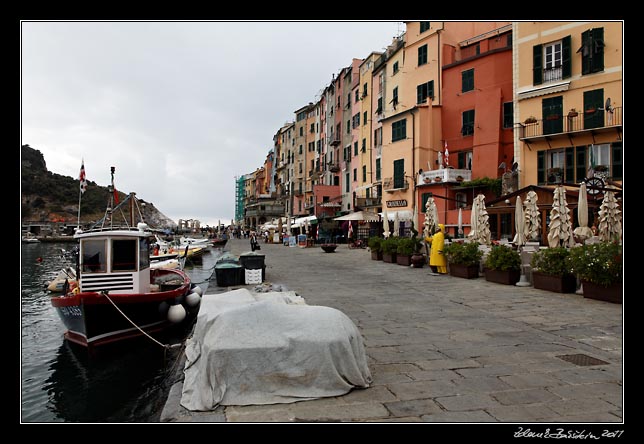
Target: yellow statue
(437, 260)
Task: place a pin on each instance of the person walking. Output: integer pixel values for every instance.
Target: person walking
(437, 260)
(253, 241)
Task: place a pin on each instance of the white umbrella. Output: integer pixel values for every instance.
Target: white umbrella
(610, 219)
(385, 224)
(532, 226)
(460, 221)
(396, 224)
(560, 228)
(480, 231)
(582, 231)
(288, 225)
(431, 217)
(519, 224)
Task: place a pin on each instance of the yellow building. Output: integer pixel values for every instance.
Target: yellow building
(568, 101)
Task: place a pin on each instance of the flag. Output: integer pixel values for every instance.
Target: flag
(446, 155)
(350, 235)
(116, 196)
(82, 179)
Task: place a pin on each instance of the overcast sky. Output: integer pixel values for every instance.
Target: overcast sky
(179, 108)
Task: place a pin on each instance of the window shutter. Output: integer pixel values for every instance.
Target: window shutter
(566, 59)
(424, 198)
(569, 171)
(541, 167)
(616, 160)
(399, 173)
(593, 100)
(581, 163)
(461, 161)
(430, 89)
(598, 49)
(537, 64)
(585, 52)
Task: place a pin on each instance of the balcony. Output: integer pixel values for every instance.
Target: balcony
(265, 210)
(308, 205)
(389, 186)
(335, 142)
(452, 175)
(593, 121)
(334, 168)
(365, 202)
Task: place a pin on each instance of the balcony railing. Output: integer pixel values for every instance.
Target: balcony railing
(336, 141)
(591, 119)
(444, 175)
(364, 202)
(389, 185)
(334, 168)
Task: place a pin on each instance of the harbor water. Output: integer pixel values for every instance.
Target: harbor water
(60, 382)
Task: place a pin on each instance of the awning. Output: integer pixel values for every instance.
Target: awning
(360, 215)
(330, 204)
(403, 215)
(299, 222)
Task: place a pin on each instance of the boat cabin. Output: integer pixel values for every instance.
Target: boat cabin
(115, 260)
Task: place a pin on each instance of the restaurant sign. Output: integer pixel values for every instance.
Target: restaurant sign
(397, 203)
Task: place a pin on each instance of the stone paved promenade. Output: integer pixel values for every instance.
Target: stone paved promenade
(446, 349)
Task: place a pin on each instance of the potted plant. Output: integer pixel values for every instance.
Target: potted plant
(389, 248)
(572, 113)
(417, 257)
(599, 268)
(375, 246)
(404, 251)
(551, 270)
(503, 265)
(531, 119)
(464, 259)
(329, 248)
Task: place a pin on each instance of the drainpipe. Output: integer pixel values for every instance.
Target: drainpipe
(413, 158)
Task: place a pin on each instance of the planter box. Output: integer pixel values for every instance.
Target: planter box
(509, 277)
(613, 293)
(391, 258)
(558, 284)
(403, 259)
(464, 271)
(376, 255)
(418, 261)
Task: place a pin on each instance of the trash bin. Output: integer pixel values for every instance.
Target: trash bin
(253, 261)
(229, 274)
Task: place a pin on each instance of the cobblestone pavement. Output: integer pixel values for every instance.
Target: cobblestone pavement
(446, 349)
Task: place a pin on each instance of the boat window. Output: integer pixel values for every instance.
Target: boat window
(144, 253)
(124, 254)
(93, 254)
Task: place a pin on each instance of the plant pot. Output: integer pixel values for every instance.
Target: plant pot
(403, 259)
(329, 248)
(557, 284)
(418, 260)
(613, 293)
(508, 277)
(376, 255)
(464, 271)
(389, 257)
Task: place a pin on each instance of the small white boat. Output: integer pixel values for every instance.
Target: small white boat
(30, 238)
(57, 285)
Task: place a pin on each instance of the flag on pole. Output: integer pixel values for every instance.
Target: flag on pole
(82, 179)
(446, 155)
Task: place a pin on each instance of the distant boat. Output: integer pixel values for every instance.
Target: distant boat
(30, 238)
(118, 295)
(218, 242)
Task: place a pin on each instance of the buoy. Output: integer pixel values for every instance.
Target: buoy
(39, 259)
(193, 299)
(176, 313)
(198, 290)
(163, 307)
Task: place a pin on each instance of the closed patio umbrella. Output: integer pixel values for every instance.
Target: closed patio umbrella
(480, 231)
(385, 224)
(519, 224)
(396, 224)
(460, 222)
(560, 228)
(610, 219)
(582, 232)
(532, 226)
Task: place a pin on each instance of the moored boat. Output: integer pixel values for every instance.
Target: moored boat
(118, 295)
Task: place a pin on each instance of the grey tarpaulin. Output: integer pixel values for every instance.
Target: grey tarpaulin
(270, 348)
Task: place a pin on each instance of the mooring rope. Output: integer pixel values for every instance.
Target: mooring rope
(165, 346)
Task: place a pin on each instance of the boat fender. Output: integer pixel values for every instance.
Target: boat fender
(176, 313)
(75, 291)
(197, 289)
(193, 299)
